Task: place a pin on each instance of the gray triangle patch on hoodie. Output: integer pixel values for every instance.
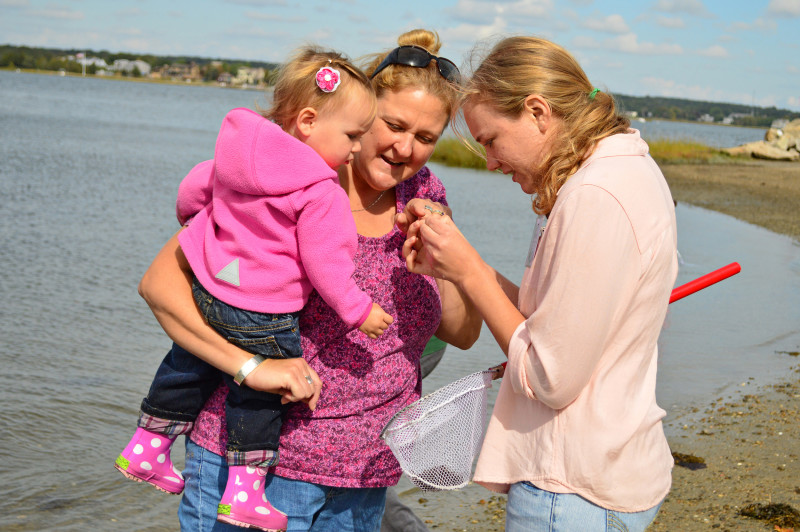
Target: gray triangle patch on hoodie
(230, 273)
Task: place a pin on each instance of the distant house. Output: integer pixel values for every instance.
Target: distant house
(249, 76)
(88, 61)
(733, 116)
(124, 65)
(188, 72)
(225, 79)
(705, 118)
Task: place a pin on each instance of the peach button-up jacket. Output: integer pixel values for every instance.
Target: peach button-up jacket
(576, 411)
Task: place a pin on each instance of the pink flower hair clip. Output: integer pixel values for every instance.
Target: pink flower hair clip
(328, 79)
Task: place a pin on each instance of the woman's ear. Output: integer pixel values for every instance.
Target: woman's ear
(305, 121)
(539, 110)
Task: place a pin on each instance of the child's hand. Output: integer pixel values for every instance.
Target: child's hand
(376, 323)
(291, 378)
(417, 209)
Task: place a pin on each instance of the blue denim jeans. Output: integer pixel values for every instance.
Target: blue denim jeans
(183, 382)
(532, 509)
(310, 507)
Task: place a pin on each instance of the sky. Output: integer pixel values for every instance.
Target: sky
(737, 51)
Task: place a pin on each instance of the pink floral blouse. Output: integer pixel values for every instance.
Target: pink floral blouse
(365, 382)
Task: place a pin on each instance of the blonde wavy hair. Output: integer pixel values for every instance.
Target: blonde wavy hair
(395, 78)
(296, 87)
(517, 67)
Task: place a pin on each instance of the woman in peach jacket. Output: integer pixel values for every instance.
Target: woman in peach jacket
(576, 438)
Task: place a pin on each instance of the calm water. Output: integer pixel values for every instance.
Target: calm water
(711, 135)
(88, 176)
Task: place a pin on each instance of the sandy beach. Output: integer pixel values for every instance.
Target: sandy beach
(742, 452)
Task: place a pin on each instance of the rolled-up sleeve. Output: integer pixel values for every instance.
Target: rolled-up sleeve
(588, 264)
(516, 370)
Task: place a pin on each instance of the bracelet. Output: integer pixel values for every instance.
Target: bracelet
(247, 368)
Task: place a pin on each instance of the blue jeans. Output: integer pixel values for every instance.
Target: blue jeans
(183, 382)
(310, 507)
(532, 509)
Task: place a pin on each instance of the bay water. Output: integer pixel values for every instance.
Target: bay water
(89, 169)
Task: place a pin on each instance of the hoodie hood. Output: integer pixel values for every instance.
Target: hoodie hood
(255, 156)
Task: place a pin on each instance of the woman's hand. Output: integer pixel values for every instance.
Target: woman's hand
(416, 209)
(434, 246)
(287, 377)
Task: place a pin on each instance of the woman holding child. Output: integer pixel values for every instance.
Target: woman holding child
(333, 468)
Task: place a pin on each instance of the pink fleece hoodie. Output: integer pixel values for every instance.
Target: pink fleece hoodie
(270, 223)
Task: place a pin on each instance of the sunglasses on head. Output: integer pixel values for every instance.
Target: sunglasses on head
(414, 56)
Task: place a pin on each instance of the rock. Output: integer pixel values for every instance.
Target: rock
(793, 126)
(744, 149)
(769, 151)
(762, 149)
(786, 142)
(773, 134)
(779, 144)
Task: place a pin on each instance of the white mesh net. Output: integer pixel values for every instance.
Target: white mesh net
(437, 438)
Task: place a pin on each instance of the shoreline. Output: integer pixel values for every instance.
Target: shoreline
(155, 81)
(748, 442)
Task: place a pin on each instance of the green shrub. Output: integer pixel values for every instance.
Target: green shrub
(453, 152)
(684, 151)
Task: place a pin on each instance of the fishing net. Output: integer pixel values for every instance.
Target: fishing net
(437, 438)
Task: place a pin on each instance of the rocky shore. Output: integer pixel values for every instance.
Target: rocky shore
(779, 144)
(738, 457)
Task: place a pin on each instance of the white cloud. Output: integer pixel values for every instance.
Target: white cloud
(758, 24)
(14, 3)
(477, 11)
(793, 101)
(258, 3)
(61, 13)
(275, 18)
(129, 12)
(692, 7)
(570, 14)
(672, 89)
(610, 24)
(320, 35)
(469, 33)
(586, 42)
(714, 51)
(630, 44)
(132, 32)
(670, 22)
(786, 8)
(251, 32)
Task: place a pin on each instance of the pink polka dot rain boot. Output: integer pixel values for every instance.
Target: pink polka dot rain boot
(146, 458)
(245, 504)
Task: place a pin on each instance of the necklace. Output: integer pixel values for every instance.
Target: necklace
(371, 204)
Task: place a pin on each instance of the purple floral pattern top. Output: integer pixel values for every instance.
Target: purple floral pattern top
(365, 382)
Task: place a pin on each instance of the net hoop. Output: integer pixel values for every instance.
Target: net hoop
(436, 438)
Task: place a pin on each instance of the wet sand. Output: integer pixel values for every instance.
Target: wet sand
(749, 443)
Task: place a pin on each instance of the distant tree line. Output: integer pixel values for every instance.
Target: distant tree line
(692, 110)
(644, 106)
(26, 57)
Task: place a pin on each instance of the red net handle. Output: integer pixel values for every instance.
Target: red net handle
(707, 280)
(698, 284)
